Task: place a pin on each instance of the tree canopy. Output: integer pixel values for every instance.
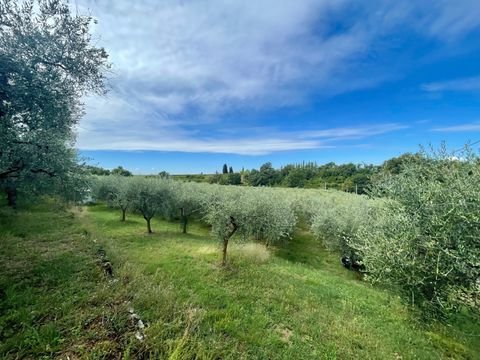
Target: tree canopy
(47, 63)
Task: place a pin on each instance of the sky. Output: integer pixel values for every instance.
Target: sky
(196, 84)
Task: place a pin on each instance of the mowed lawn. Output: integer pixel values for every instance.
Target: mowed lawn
(294, 301)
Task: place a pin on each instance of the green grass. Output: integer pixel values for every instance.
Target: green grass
(291, 302)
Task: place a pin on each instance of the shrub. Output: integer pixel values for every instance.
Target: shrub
(425, 241)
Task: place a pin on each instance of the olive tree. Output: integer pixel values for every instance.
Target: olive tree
(269, 215)
(337, 219)
(187, 198)
(123, 194)
(306, 202)
(47, 63)
(116, 190)
(101, 187)
(150, 197)
(425, 240)
(233, 210)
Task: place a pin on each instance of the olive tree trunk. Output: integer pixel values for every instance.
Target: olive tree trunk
(231, 229)
(184, 220)
(149, 227)
(11, 191)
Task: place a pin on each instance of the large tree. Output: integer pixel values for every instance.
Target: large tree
(47, 63)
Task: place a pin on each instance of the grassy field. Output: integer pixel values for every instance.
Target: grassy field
(290, 302)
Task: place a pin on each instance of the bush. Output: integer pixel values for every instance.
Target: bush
(425, 241)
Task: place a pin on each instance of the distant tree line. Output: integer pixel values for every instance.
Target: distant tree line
(96, 170)
(344, 177)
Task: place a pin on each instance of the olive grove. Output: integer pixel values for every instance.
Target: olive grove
(416, 231)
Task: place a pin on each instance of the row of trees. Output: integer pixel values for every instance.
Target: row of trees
(226, 179)
(417, 230)
(346, 177)
(97, 170)
(259, 213)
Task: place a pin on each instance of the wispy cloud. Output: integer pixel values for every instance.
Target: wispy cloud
(180, 66)
(474, 127)
(447, 19)
(227, 146)
(213, 56)
(345, 133)
(258, 144)
(464, 84)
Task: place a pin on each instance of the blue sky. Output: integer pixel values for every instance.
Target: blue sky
(196, 84)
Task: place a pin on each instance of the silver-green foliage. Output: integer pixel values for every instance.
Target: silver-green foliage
(333, 216)
(116, 191)
(425, 240)
(258, 212)
(269, 216)
(48, 61)
(151, 196)
(337, 220)
(247, 212)
(187, 199)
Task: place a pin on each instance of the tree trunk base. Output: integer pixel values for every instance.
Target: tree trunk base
(149, 227)
(11, 192)
(231, 229)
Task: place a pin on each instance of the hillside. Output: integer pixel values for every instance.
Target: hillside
(291, 302)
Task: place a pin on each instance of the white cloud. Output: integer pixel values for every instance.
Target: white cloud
(214, 55)
(470, 127)
(463, 84)
(448, 19)
(256, 144)
(354, 132)
(229, 146)
(183, 63)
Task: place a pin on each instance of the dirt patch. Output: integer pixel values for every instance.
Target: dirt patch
(284, 333)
